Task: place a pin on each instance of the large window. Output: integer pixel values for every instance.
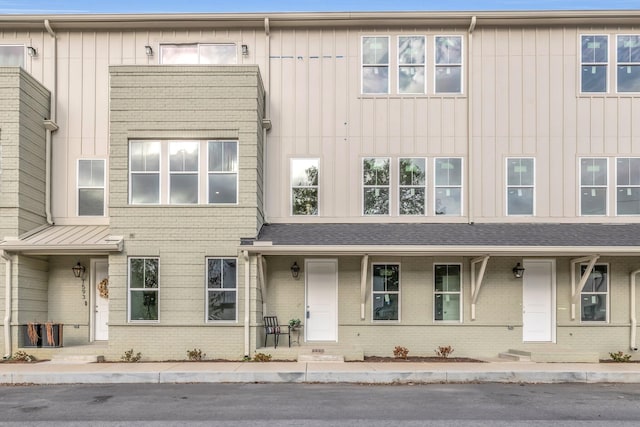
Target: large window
(628, 54)
(447, 292)
(448, 186)
(594, 297)
(375, 64)
(11, 56)
(412, 186)
(628, 186)
(91, 187)
(222, 289)
(203, 53)
(386, 291)
(304, 186)
(594, 60)
(143, 289)
(593, 186)
(170, 172)
(411, 64)
(376, 181)
(448, 51)
(520, 186)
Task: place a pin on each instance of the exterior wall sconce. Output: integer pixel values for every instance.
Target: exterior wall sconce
(78, 270)
(32, 51)
(148, 50)
(518, 271)
(295, 270)
(245, 50)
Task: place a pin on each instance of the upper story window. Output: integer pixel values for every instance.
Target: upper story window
(412, 179)
(91, 179)
(173, 172)
(448, 74)
(628, 63)
(628, 186)
(375, 64)
(386, 291)
(376, 180)
(304, 186)
(199, 53)
(594, 60)
(11, 56)
(593, 186)
(448, 186)
(520, 186)
(411, 64)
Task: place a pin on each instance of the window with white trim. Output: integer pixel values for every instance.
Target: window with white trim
(412, 185)
(223, 172)
(593, 186)
(199, 53)
(375, 64)
(447, 292)
(304, 186)
(594, 296)
(594, 63)
(448, 60)
(628, 62)
(376, 180)
(91, 179)
(143, 289)
(448, 185)
(183, 172)
(411, 64)
(628, 186)
(222, 286)
(12, 55)
(520, 186)
(386, 291)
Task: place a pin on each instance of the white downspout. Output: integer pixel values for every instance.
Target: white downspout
(634, 320)
(470, 214)
(247, 306)
(50, 125)
(267, 113)
(7, 303)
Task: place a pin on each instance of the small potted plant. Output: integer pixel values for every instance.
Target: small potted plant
(294, 324)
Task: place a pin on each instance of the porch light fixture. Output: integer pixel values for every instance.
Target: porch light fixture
(78, 270)
(148, 50)
(295, 270)
(32, 51)
(518, 271)
(245, 50)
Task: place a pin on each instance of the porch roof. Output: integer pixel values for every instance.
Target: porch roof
(65, 239)
(449, 238)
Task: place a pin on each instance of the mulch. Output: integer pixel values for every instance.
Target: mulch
(421, 359)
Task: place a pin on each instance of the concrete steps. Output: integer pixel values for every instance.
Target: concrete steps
(550, 354)
(316, 352)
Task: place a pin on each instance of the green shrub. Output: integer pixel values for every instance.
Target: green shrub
(23, 356)
(620, 357)
(196, 354)
(129, 357)
(261, 357)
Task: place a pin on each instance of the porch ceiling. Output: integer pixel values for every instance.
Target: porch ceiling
(65, 239)
(443, 239)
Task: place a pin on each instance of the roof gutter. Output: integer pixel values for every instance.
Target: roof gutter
(7, 302)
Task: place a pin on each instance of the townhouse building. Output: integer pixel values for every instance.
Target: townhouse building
(416, 179)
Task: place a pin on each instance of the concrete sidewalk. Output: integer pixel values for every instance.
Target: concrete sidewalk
(318, 372)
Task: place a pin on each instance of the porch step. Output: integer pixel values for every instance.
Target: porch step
(320, 358)
(72, 359)
(550, 354)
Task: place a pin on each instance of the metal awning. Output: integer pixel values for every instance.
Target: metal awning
(65, 239)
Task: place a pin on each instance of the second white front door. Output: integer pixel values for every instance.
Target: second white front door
(321, 323)
(538, 301)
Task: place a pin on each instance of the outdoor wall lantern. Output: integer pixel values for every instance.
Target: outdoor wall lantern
(518, 271)
(32, 51)
(148, 50)
(78, 270)
(245, 50)
(295, 270)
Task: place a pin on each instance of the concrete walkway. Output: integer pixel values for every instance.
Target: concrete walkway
(318, 372)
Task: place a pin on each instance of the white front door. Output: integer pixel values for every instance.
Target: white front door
(100, 278)
(538, 301)
(321, 323)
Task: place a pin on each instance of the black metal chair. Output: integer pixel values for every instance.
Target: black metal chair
(271, 327)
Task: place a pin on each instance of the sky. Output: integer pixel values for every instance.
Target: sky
(227, 6)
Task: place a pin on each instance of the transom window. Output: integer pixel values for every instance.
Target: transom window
(376, 179)
(304, 186)
(594, 60)
(594, 297)
(198, 53)
(412, 186)
(174, 172)
(628, 54)
(520, 186)
(448, 186)
(91, 179)
(143, 289)
(11, 56)
(411, 64)
(375, 64)
(593, 186)
(447, 291)
(628, 186)
(386, 291)
(222, 295)
(448, 50)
